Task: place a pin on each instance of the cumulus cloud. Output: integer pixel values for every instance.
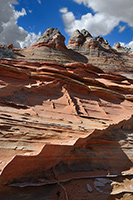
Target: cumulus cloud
(107, 15)
(10, 32)
(30, 39)
(99, 24)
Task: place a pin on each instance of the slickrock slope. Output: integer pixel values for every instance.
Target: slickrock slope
(66, 126)
(98, 166)
(50, 48)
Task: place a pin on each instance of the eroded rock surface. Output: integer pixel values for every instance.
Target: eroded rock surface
(99, 52)
(82, 47)
(51, 38)
(66, 125)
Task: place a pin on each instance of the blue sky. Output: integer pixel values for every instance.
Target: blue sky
(28, 19)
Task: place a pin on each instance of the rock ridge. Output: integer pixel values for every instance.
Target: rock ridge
(82, 47)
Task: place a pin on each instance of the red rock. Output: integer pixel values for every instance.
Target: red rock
(65, 123)
(102, 152)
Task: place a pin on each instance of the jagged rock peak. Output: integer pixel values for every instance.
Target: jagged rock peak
(52, 38)
(83, 42)
(101, 40)
(84, 39)
(85, 33)
(78, 38)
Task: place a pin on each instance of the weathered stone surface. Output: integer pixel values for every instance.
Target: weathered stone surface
(100, 158)
(51, 38)
(50, 47)
(99, 52)
(61, 123)
(82, 47)
(83, 42)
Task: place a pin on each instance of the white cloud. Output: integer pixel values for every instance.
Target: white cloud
(98, 24)
(69, 20)
(107, 15)
(63, 10)
(129, 45)
(10, 32)
(30, 39)
(39, 1)
(121, 28)
(17, 14)
(85, 2)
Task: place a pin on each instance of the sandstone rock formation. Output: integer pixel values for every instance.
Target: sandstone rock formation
(78, 39)
(82, 47)
(66, 126)
(51, 38)
(99, 52)
(50, 48)
(82, 41)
